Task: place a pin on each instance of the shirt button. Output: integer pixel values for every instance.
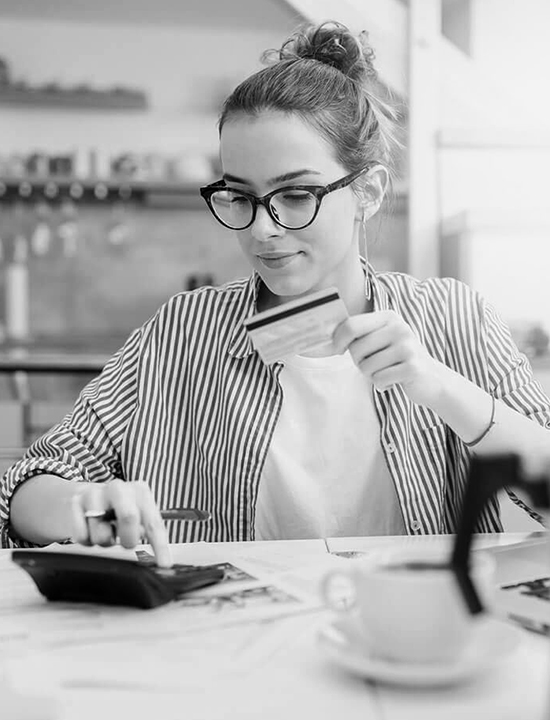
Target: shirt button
(415, 525)
(390, 447)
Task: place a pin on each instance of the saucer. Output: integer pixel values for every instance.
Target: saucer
(494, 641)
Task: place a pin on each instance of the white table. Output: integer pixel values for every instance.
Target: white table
(154, 664)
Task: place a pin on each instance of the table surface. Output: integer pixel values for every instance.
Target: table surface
(212, 662)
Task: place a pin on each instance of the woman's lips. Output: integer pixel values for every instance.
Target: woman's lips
(275, 262)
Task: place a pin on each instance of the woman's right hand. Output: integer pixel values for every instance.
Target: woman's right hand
(137, 517)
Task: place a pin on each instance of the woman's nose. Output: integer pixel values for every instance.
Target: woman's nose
(264, 227)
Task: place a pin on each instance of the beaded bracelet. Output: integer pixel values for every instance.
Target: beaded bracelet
(489, 426)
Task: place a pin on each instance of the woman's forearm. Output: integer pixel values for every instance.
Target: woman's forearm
(40, 509)
(466, 408)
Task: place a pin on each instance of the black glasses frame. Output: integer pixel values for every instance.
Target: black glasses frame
(318, 192)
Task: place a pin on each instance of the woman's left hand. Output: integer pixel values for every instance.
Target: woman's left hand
(387, 351)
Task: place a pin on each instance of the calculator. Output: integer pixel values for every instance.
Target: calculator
(79, 577)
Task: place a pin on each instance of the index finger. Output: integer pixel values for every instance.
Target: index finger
(155, 529)
(357, 326)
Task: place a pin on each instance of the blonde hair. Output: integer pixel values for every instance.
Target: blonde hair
(326, 75)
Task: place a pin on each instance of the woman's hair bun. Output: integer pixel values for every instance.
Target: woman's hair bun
(333, 44)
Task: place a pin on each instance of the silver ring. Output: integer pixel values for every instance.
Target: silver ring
(94, 514)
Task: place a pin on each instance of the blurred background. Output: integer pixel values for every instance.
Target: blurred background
(108, 127)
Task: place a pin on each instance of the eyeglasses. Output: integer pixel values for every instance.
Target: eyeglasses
(294, 207)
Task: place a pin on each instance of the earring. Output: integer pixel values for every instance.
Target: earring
(363, 250)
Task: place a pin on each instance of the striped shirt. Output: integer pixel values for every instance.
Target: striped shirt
(188, 406)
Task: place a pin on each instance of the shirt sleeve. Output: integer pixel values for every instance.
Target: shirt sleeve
(480, 347)
(510, 374)
(511, 380)
(85, 445)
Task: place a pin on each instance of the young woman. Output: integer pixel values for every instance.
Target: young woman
(371, 436)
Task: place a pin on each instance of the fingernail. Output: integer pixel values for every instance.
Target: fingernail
(164, 559)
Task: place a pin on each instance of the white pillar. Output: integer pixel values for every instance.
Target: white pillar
(424, 66)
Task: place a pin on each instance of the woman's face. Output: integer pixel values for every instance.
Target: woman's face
(271, 151)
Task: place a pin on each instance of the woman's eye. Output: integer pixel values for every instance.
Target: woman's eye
(238, 200)
(296, 197)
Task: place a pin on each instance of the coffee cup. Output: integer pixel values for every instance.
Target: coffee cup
(405, 605)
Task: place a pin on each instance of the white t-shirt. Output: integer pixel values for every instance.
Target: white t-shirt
(325, 473)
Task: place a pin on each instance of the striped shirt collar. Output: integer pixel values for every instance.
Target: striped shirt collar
(241, 346)
(380, 296)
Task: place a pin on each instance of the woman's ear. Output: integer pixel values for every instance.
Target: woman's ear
(374, 185)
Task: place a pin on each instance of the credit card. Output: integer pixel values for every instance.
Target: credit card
(298, 326)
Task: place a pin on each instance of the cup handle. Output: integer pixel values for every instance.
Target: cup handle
(327, 590)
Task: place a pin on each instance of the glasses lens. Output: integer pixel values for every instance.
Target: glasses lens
(294, 208)
(231, 208)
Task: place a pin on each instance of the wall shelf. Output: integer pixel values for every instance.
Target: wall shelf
(153, 194)
(85, 98)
